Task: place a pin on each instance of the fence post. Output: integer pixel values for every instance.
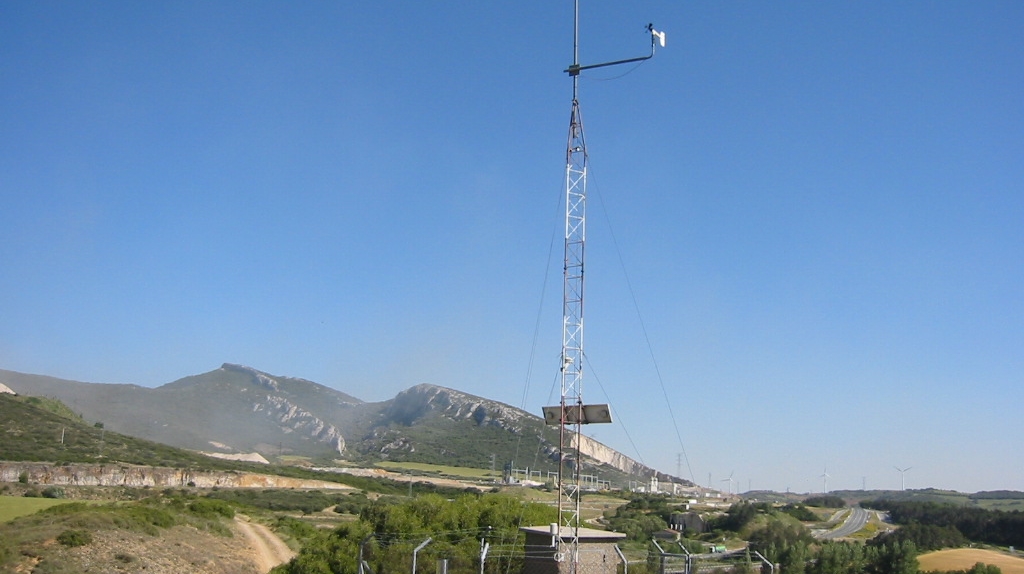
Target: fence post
(414, 552)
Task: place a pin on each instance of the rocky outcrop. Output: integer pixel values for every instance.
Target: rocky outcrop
(293, 418)
(425, 400)
(613, 458)
(143, 476)
(422, 400)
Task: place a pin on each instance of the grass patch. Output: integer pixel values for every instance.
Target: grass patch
(72, 538)
(12, 507)
(1004, 505)
(306, 501)
(295, 460)
(439, 469)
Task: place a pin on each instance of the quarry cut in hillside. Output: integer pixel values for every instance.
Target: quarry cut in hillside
(143, 476)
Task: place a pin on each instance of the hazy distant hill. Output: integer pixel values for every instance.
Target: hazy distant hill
(42, 429)
(231, 409)
(240, 409)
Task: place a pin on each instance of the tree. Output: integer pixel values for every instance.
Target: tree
(924, 536)
(896, 558)
(792, 558)
(839, 558)
(738, 516)
(778, 534)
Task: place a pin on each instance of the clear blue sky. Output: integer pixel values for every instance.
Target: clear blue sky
(819, 208)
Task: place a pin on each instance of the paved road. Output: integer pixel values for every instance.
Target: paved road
(855, 520)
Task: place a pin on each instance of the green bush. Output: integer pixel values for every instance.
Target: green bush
(800, 512)
(53, 492)
(296, 528)
(211, 508)
(68, 508)
(72, 538)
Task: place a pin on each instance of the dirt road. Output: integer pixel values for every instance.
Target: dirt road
(268, 549)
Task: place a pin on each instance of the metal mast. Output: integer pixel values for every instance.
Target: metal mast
(571, 413)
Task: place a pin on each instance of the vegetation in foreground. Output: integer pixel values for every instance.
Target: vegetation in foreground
(57, 539)
(75, 524)
(386, 534)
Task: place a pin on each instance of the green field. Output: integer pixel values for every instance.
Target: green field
(440, 470)
(12, 507)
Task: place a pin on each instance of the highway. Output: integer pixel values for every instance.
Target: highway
(857, 519)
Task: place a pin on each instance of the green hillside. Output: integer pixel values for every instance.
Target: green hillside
(44, 430)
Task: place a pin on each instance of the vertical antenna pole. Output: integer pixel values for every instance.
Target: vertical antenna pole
(572, 322)
(575, 46)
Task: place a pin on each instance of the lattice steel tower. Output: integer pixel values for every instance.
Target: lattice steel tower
(571, 413)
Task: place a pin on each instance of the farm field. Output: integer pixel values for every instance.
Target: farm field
(12, 507)
(964, 558)
(447, 471)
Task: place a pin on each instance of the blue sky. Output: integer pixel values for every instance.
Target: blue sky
(811, 211)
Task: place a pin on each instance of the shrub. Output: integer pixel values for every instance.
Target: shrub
(155, 516)
(800, 512)
(72, 538)
(64, 509)
(53, 492)
(211, 508)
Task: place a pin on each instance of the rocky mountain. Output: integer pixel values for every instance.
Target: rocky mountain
(238, 409)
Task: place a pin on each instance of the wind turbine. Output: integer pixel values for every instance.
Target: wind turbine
(729, 480)
(903, 478)
(824, 481)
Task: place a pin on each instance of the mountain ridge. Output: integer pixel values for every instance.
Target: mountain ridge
(236, 409)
